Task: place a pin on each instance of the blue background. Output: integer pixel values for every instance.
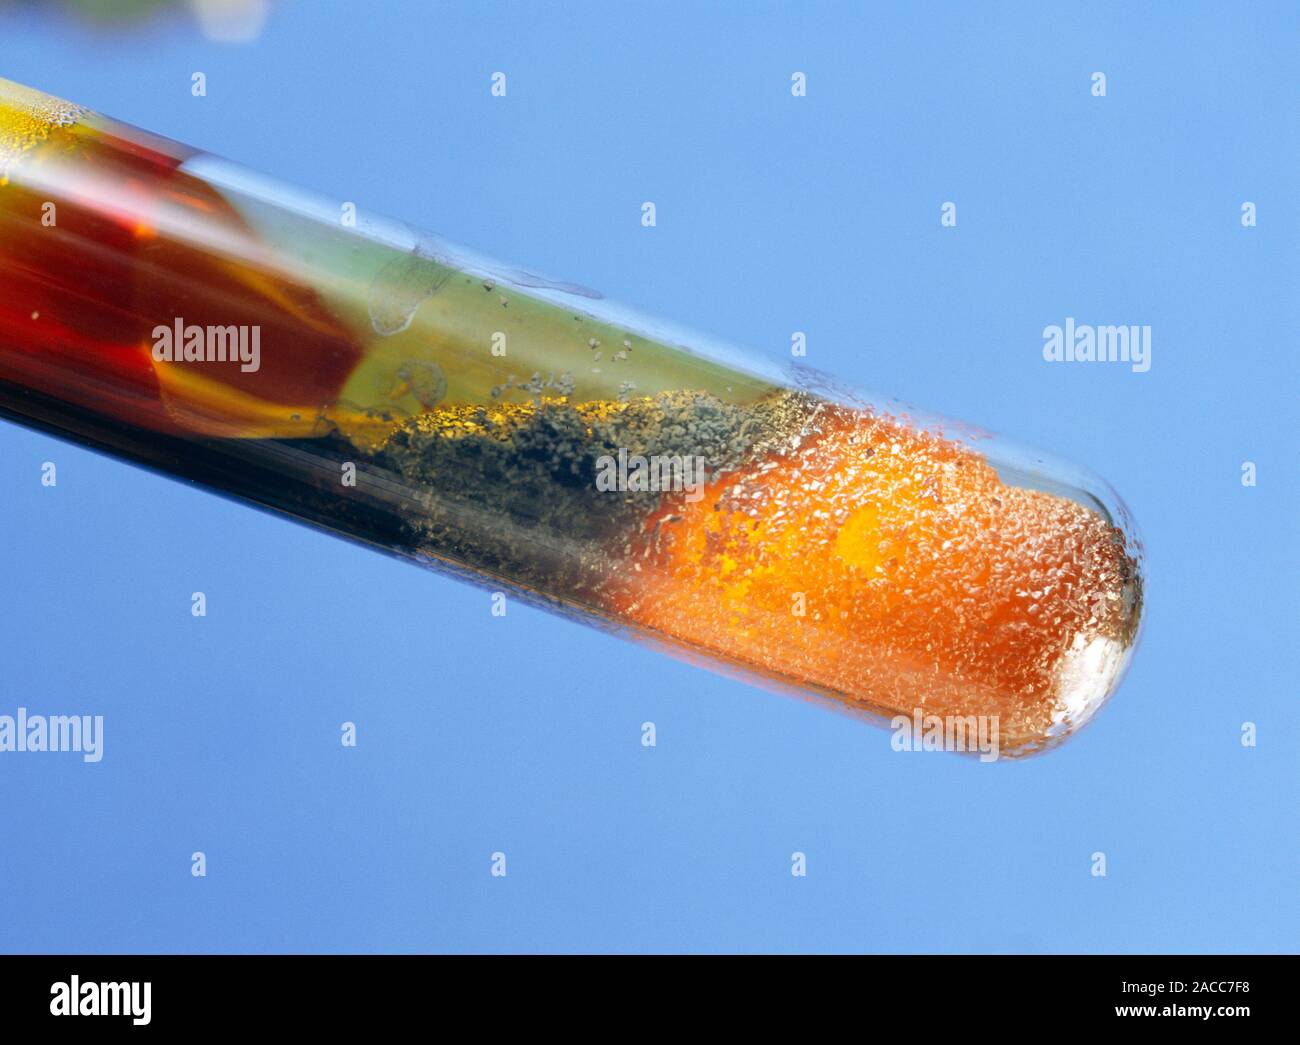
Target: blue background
(775, 214)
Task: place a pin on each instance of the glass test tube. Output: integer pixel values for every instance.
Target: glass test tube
(191, 315)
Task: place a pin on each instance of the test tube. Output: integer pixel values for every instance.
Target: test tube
(188, 314)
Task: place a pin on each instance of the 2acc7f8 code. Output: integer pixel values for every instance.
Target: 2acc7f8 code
(1194, 987)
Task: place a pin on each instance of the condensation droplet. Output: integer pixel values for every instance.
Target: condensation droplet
(520, 278)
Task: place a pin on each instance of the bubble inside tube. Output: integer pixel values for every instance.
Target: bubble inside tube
(401, 286)
(425, 380)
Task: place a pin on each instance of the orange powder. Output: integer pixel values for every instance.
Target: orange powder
(893, 568)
